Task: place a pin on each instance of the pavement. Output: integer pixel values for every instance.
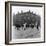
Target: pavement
(28, 33)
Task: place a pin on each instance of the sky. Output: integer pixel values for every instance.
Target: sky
(35, 10)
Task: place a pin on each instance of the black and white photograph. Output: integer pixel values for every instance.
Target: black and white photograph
(27, 22)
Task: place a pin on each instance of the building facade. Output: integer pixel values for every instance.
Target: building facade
(26, 17)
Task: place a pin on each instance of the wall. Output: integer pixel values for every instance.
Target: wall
(2, 23)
